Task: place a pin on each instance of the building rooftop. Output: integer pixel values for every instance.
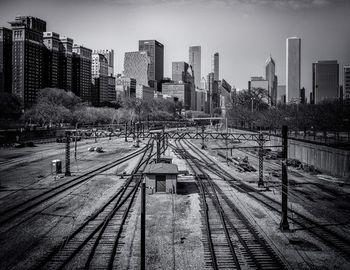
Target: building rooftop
(161, 168)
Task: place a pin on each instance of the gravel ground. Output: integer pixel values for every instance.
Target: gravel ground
(173, 233)
(24, 244)
(297, 248)
(322, 197)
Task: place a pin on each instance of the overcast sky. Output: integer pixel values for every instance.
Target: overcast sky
(244, 32)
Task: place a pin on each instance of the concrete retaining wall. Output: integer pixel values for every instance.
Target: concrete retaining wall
(329, 160)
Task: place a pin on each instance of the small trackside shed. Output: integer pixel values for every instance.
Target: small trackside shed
(161, 177)
(164, 159)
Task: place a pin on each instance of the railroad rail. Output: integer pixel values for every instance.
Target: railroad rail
(232, 242)
(94, 244)
(16, 214)
(328, 236)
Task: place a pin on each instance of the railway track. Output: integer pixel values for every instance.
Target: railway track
(328, 236)
(231, 241)
(16, 214)
(95, 243)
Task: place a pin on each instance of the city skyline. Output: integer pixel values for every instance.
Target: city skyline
(242, 55)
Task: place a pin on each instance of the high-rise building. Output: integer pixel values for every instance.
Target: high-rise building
(325, 80)
(27, 58)
(281, 94)
(99, 75)
(302, 96)
(144, 92)
(194, 60)
(137, 66)
(127, 86)
(155, 51)
(204, 84)
(225, 96)
(66, 54)
(215, 66)
(293, 68)
(99, 65)
(5, 60)
(210, 88)
(179, 91)
(57, 61)
(258, 83)
(346, 81)
(200, 99)
(81, 72)
(270, 75)
(109, 54)
(179, 71)
(51, 59)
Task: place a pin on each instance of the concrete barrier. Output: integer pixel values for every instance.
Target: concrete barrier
(333, 161)
(329, 160)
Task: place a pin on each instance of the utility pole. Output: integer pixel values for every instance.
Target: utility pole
(261, 160)
(75, 141)
(67, 154)
(158, 147)
(203, 145)
(284, 226)
(143, 226)
(226, 149)
(137, 134)
(126, 131)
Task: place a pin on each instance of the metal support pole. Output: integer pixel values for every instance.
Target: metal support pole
(284, 226)
(126, 131)
(67, 154)
(261, 160)
(143, 226)
(226, 151)
(75, 141)
(137, 134)
(163, 139)
(158, 147)
(203, 145)
(95, 137)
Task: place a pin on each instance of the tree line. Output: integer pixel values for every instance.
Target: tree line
(249, 109)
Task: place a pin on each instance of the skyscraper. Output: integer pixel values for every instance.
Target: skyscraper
(57, 71)
(155, 51)
(66, 54)
(258, 83)
(281, 94)
(293, 58)
(99, 65)
(27, 58)
(210, 85)
(179, 70)
(137, 65)
(99, 73)
(51, 59)
(194, 60)
(270, 75)
(109, 54)
(346, 81)
(325, 80)
(81, 72)
(5, 60)
(215, 66)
